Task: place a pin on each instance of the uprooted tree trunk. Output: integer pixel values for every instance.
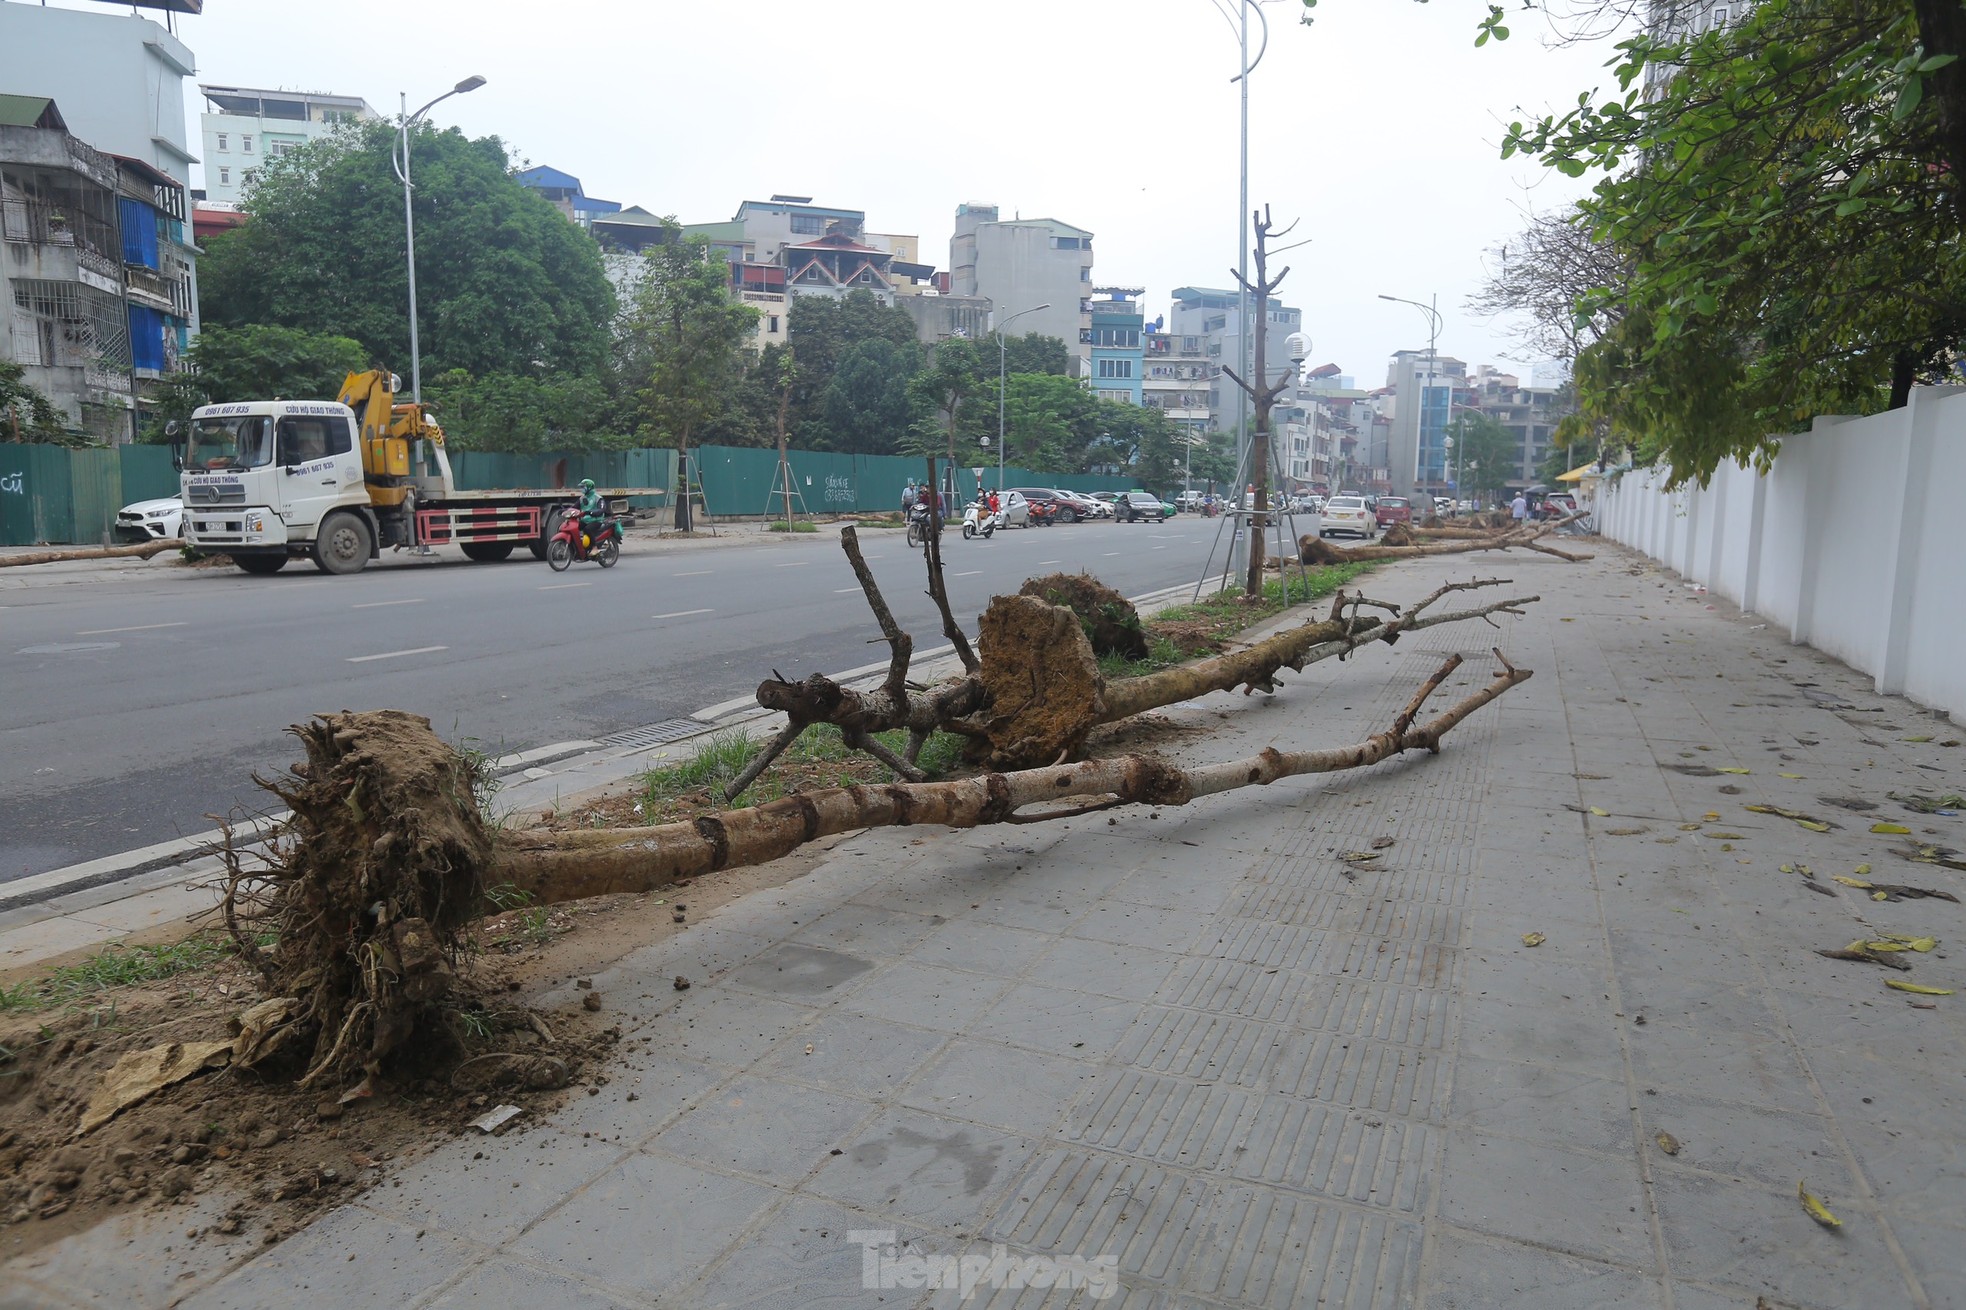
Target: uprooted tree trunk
(1315, 550)
(387, 859)
(143, 551)
(1044, 695)
(1037, 692)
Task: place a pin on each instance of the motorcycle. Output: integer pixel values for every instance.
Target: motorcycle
(920, 521)
(977, 519)
(570, 543)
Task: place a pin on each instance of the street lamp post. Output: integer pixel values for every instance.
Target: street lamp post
(402, 167)
(1433, 335)
(1002, 355)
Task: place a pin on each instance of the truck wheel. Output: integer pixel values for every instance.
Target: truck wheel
(538, 549)
(260, 563)
(487, 552)
(342, 545)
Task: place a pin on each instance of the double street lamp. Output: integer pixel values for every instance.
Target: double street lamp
(1003, 354)
(402, 167)
(1433, 335)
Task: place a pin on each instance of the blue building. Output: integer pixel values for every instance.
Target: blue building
(564, 190)
(1118, 340)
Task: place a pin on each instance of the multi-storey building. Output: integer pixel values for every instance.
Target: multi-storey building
(244, 127)
(1179, 375)
(1529, 413)
(1022, 263)
(1211, 313)
(1118, 353)
(565, 193)
(97, 283)
(1422, 388)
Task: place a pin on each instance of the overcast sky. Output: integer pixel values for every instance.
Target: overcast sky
(1376, 128)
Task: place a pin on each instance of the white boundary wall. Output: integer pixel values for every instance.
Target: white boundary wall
(1855, 540)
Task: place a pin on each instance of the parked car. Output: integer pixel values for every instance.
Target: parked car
(1347, 514)
(1138, 505)
(1095, 508)
(1190, 501)
(1391, 510)
(1015, 509)
(1558, 505)
(150, 520)
(1075, 507)
(1046, 506)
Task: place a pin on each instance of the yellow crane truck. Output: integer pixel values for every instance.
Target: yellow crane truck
(266, 481)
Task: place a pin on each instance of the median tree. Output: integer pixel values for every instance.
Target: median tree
(683, 347)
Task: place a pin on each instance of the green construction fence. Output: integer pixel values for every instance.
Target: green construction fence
(57, 495)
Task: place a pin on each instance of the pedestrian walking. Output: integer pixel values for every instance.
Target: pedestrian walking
(1519, 507)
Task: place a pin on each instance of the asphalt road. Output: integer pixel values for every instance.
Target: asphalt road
(130, 711)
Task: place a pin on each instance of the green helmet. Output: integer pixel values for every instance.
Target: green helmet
(587, 484)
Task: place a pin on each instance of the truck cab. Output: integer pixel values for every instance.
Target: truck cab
(261, 477)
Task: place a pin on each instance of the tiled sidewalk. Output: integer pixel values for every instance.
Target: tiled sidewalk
(1196, 1052)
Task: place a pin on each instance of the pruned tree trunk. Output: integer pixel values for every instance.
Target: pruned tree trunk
(143, 551)
(596, 862)
(1263, 393)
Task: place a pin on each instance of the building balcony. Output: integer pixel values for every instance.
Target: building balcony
(149, 287)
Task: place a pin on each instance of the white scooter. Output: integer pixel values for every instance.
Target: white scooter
(975, 520)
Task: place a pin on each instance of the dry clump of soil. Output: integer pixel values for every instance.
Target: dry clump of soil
(1192, 638)
(279, 1150)
(1111, 623)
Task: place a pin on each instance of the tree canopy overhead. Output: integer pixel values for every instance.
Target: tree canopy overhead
(504, 283)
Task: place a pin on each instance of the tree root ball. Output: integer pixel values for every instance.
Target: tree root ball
(1399, 534)
(1111, 623)
(1045, 692)
(367, 886)
(1316, 550)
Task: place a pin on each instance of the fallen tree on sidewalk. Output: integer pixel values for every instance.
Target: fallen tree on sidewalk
(1036, 691)
(1419, 543)
(370, 887)
(143, 551)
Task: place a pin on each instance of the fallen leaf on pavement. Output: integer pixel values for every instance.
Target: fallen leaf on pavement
(1623, 832)
(1903, 986)
(1919, 944)
(1733, 770)
(1851, 882)
(1605, 814)
(1856, 954)
(1924, 803)
(1796, 776)
(1925, 738)
(1815, 1209)
(1891, 829)
(1381, 843)
(1533, 939)
(1809, 821)
(1668, 1143)
(1943, 856)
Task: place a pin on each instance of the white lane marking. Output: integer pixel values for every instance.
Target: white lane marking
(396, 654)
(973, 573)
(1156, 548)
(1109, 554)
(681, 614)
(378, 604)
(1041, 563)
(794, 564)
(845, 591)
(141, 627)
(700, 573)
(562, 586)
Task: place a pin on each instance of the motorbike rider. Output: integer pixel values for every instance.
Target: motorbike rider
(593, 510)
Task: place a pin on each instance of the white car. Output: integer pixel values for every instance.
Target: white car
(150, 520)
(1348, 514)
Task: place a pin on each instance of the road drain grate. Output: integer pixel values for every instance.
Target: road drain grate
(655, 734)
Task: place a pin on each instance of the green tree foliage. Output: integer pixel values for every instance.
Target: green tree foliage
(504, 283)
(951, 388)
(820, 331)
(1053, 421)
(1032, 353)
(26, 414)
(1486, 453)
(525, 415)
(868, 406)
(681, 354)
(1787, 201)
(255, 362)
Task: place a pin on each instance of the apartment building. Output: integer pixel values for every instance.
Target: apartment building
(1019, 264)
(244, 127)
(1118, 352)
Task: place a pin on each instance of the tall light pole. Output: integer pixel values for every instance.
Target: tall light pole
(1243, 439)
(402, 167)
(1433, 335)
(1002, 355)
